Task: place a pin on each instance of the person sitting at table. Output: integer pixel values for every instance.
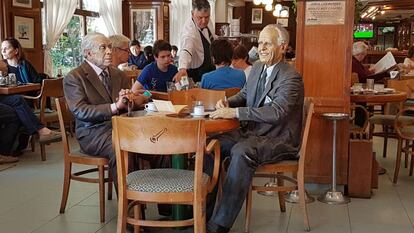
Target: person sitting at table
(120, 52)
(149, 54)
(223, 76)
(137, 57)
(240, 60)
(359, 52)
(156, 75)
(409, 60)
(270, 108)
(94, 92)
(174, 55)
(15, 59)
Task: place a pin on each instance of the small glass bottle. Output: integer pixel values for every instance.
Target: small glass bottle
(59, 72)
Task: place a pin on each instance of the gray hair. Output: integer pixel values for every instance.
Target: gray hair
(281, 31)
(89, 42)
(359, 47)
(200, 5)
(119, 40)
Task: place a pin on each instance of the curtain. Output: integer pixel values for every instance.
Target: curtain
(57, 16)
(180, 12)
(111, 13)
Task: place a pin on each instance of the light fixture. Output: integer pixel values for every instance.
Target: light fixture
(268, 7)
(278, 7)
(364, 15)
(382, 12)
(276, 13)
(267, 2)
(373, 17)
(257, 2)
(284, 13)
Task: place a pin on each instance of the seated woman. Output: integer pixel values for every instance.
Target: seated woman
(13, 54)
(27, 118)
(137, 57)
(156, 75)
(240, 60)
(224, 76)
(409, 60)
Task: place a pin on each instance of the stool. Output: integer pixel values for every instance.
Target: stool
(333, 196)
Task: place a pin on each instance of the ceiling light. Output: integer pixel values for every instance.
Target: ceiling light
(278, 7)
(373, 17)
(268, 7)
(257, 2)
(371, 9)
(276, 13)
(382, 12)
(284, 13)
(267, 2)
(364, 14)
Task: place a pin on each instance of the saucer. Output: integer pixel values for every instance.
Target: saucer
(201, 115)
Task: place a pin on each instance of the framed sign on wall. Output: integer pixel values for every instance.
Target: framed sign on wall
(24, 31)
(23, 3)
(257, 15)
(144, 25)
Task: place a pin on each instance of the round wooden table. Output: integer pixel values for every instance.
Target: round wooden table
(379, 98)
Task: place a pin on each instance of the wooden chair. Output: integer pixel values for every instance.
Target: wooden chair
(405, 131)
(51, 88)
(231, 91)
(354, 128)
(76, 157)
(187, 97)
(286, 166)
(162, 136)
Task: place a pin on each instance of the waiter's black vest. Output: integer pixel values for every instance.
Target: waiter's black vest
(207, 65)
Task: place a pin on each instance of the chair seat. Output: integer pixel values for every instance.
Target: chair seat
(163, 180)
(389, 119)
(77, 156)
(287, 164)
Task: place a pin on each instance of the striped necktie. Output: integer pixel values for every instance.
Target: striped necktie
(105, 81)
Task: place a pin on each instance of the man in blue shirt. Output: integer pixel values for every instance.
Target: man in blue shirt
(156, 75)
(137, 57)
(224, 76)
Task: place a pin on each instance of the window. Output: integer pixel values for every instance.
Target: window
(66, 53)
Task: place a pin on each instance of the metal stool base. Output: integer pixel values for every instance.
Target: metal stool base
(293, 197)
(333, 198)
(269, 193)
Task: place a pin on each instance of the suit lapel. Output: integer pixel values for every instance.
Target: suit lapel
(95, 81)
(270, 81)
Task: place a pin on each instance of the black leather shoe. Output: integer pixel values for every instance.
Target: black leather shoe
(214, 228)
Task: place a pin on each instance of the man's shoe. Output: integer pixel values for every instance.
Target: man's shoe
(214, 228)
(51, 137)
(8, 159)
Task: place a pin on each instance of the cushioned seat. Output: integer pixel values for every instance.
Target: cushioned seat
(389, 119)
(163, 180)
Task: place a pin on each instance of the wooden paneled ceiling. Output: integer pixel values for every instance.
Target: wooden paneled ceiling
(393, 10)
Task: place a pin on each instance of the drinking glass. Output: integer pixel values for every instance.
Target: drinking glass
(171, 87)
(370, 84)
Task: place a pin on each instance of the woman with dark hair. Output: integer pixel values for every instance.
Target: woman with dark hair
(241, 60)
(224, 76)
(14, 57)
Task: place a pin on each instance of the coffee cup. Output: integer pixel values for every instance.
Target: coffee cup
(199, 110)
(151, 107)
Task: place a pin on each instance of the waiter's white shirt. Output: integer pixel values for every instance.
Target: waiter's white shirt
(191, 53)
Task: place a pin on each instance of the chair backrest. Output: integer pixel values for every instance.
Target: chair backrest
(50, 88)
(156, 135)
(231, 91)
(308, 110)
(187, 97)
(64, 115)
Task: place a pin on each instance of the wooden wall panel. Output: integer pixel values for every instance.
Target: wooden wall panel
(323, 57)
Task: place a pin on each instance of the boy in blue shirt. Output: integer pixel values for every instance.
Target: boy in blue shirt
(156, 75)
(137, 57)
(224, 76)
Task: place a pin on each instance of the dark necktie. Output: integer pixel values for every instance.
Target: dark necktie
(105, 81)
(261, 84)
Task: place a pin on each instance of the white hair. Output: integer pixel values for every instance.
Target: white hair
(89, 42)
(283, 37)
(119, 40)
(358, 48)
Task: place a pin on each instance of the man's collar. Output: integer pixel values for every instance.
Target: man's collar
(97, 69)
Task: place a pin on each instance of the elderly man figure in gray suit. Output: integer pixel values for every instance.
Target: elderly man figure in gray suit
(270, 110)
(94, 93)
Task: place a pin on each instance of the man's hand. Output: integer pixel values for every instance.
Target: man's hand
(227, 113)
(181, 73)
(222, 104)
(120, 104)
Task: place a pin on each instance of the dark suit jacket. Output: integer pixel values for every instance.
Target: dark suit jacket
(277, 122)
(90, 103)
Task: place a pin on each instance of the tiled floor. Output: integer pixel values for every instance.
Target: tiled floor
(30, 195)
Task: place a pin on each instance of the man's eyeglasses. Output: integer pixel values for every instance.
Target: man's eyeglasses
(125, 50)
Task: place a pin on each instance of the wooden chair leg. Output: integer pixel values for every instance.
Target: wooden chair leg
(384, 150)
(101, 171)
(199, 215)
(43, 152)
(122, 214)
(406, 154)
(32, 143)
(66, 186)
(248, 210)
(137, 216)
(302, 202)
(397, 161)
(281, 195)
(110, 184)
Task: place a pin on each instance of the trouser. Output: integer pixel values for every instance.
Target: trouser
(25, 114)
(9, 126)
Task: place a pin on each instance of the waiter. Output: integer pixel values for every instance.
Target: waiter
(196, 37)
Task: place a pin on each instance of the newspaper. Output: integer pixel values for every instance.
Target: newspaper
(384, 64)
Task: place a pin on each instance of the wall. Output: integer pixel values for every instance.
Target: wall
(221, 11)
(34, 55)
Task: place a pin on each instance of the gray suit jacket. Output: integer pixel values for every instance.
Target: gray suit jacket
(279, 119)
(90, 103)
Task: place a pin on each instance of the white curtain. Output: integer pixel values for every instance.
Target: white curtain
(180, 12)
(58, 15)
(111, 13)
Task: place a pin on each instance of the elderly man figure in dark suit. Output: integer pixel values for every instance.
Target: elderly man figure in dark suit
(94, 92)
(270, 110)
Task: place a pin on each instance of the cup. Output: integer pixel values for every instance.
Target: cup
(12, 79)
(198, 110)
(151, 107)
(370, 84)
(379, 87)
